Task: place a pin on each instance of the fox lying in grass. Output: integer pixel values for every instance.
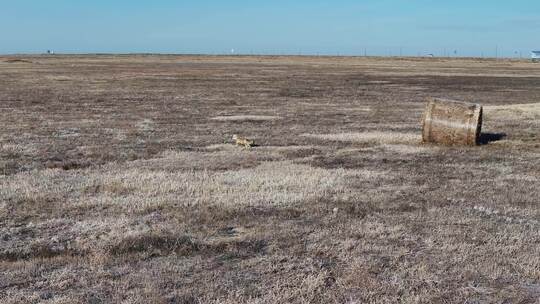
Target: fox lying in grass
(242, 141)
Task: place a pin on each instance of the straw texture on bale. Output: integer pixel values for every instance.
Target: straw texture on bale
(452, 122)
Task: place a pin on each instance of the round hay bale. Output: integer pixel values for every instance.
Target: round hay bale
(452, 122)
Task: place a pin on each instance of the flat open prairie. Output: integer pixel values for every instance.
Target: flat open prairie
(120, 183)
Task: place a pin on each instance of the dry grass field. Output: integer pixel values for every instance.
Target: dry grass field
(120, 183)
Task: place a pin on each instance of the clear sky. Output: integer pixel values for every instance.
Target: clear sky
(378, 27)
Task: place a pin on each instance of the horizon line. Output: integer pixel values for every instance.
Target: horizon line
(254, 54)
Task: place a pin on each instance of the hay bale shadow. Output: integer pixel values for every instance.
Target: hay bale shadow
(486, 138)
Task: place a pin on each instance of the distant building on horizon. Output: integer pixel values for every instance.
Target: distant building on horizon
(535, 55)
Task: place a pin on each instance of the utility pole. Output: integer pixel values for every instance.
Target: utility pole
(496, 51)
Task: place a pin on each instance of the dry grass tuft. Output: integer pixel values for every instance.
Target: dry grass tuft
(154, 243)
(147, 125)
(409, 149)
(515, 111)
(370, 137)
(137, 188)
(234, 118)
(59, 78)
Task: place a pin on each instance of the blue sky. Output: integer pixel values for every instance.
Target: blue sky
(382, 27)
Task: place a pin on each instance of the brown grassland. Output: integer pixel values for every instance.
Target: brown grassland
(120, 183)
